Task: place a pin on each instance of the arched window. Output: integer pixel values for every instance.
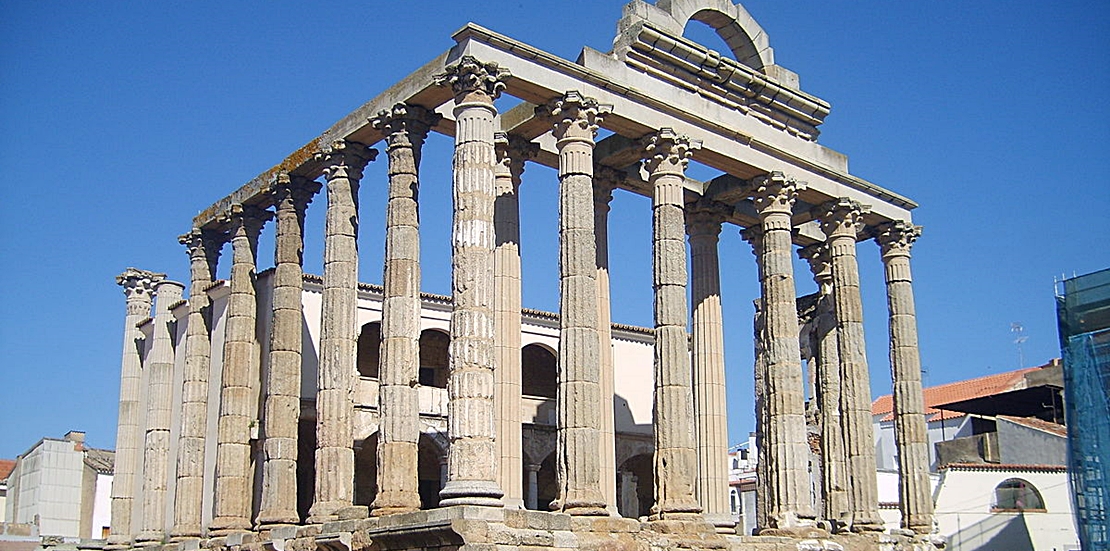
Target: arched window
(434, 356)
(369, 349)
(538, 371)
(1015, 494)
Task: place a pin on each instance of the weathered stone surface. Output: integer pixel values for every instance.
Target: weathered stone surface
(159, 368)
(841, 222)
(703, 224)
(605, 180)
(342, 163)
(138, 287)
(786, 480)
(472, 457)
(915, 489)
(232, 504)
(282, 407)
(665, 157)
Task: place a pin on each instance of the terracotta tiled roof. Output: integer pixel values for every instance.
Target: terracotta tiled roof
(957, 392)
(6, 466)
(1039, 424)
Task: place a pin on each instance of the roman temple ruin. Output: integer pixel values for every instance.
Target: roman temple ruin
(281, 410)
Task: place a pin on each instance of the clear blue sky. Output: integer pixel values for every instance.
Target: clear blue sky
(120, 120)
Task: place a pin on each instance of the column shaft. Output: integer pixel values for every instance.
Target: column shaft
(841, 223)
(784, 442)
(343, 163)
(828, 395)
(511, 155)
(764, 489)
(405, 127)
(239, 375)
(578, 465)
(203, 248)
(910, 429)
(710, 411)
(282, 409)
(159, 367)
(472, 456)
(604, 181)
(675, 458)
(138, 286)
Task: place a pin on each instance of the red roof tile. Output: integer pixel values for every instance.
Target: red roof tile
(6, 466)
(957, 392)
(1039, 424)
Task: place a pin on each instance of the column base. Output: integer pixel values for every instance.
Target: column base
(483, 493)
(269, 519)
(150, 537)
(723, 523)
(185, 533)
(223, 526)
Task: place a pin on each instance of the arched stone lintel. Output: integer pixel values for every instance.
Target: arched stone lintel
(748, 41)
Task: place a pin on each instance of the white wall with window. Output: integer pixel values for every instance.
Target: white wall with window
(1012, 507)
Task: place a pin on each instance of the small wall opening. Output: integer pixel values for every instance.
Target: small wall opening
(369, 349)
(539, 371)
(434, 356)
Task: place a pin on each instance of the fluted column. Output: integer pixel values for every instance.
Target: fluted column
(138, 287)
(703, 224)
(578, 465)
(910, 436)
(512, 152)
(342, 164)
(282, 408)
(203, 248)
(405, 128)
(605, 180)
(238, 409)
(159, 386)
(841, 222)
(833, 455)
(665, 157)
(472, 456)
(787, 451)
(764, 493)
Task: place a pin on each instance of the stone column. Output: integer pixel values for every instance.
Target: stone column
(764, 488)
(203, 247)
(159, 387)
(910, 436)
(703, 224)
(472, 456)
(784, 440)
(138, 286)
(841, 222)
(282, 409)
(605, 180)
(342, 164)
(512, 152)
(532, 496)
(405, 128)
(238, 408)
(828, 383)
(578, 465)
(675, 460)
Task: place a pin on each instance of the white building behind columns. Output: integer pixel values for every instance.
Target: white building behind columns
(62, 487)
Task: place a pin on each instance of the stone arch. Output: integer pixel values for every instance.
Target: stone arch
(636, 486)
(369, 349)
(435, 345)
(538, 370)
(1017, 495)
(366, 470)
(747, 40)
(431, 456)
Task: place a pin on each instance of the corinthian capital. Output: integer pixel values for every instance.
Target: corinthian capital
(292, 191)
(897, 237)
(344, 159)
(668, 152)
(574, 116)
(704, 218)
(820, 262)
(203, 245)
(248, 218)
(470, 76)
(512, 152)
(841, 217)
(138, 287)
(405, 125)
(775, 193)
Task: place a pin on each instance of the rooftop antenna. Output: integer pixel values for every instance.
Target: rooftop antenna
(1018, 330)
